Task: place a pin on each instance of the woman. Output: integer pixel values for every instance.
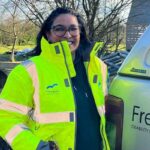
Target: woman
(55, 100)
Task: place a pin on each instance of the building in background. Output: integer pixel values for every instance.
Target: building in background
(138, 20)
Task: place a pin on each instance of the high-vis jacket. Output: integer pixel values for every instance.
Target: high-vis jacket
(37, 102)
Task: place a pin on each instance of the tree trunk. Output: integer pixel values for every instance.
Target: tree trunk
(13, 49)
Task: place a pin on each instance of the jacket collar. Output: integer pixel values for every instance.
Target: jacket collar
(58, 52)
(92, 51)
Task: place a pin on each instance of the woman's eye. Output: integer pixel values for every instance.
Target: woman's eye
(73, 29)
(59, 29)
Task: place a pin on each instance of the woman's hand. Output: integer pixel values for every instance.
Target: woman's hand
(50, 145)
(53, 145)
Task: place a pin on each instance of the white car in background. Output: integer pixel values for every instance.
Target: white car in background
(24, 52)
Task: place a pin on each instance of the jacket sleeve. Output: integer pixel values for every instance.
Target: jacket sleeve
(16, 101)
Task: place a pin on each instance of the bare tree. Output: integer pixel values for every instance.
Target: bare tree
(34, 10)
(14, 31)
(100, 24)
(74, 4)
(12, 9)
(101, 15)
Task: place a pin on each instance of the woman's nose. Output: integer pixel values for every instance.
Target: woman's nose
(67, 34)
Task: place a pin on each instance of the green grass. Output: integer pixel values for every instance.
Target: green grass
(4, 48)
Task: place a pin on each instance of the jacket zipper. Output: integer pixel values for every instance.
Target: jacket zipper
(73, 94)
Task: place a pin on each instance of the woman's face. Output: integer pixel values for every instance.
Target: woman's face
(65, 27)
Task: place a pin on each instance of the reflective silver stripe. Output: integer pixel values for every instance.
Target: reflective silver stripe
(11, 106)
(14, 132)
(101, 110)
(45, 117)
(34, 75)
(54, 117)
(104, 77)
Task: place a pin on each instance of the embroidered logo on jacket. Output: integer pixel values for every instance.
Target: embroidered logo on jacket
(52, 86)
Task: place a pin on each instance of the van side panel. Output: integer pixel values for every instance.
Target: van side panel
(135, 94)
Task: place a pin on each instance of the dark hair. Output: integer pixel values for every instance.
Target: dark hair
(84, 41)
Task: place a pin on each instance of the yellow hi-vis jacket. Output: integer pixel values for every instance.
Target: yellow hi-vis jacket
(37, 101)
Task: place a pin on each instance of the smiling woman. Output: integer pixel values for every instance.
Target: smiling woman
(48, 96)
